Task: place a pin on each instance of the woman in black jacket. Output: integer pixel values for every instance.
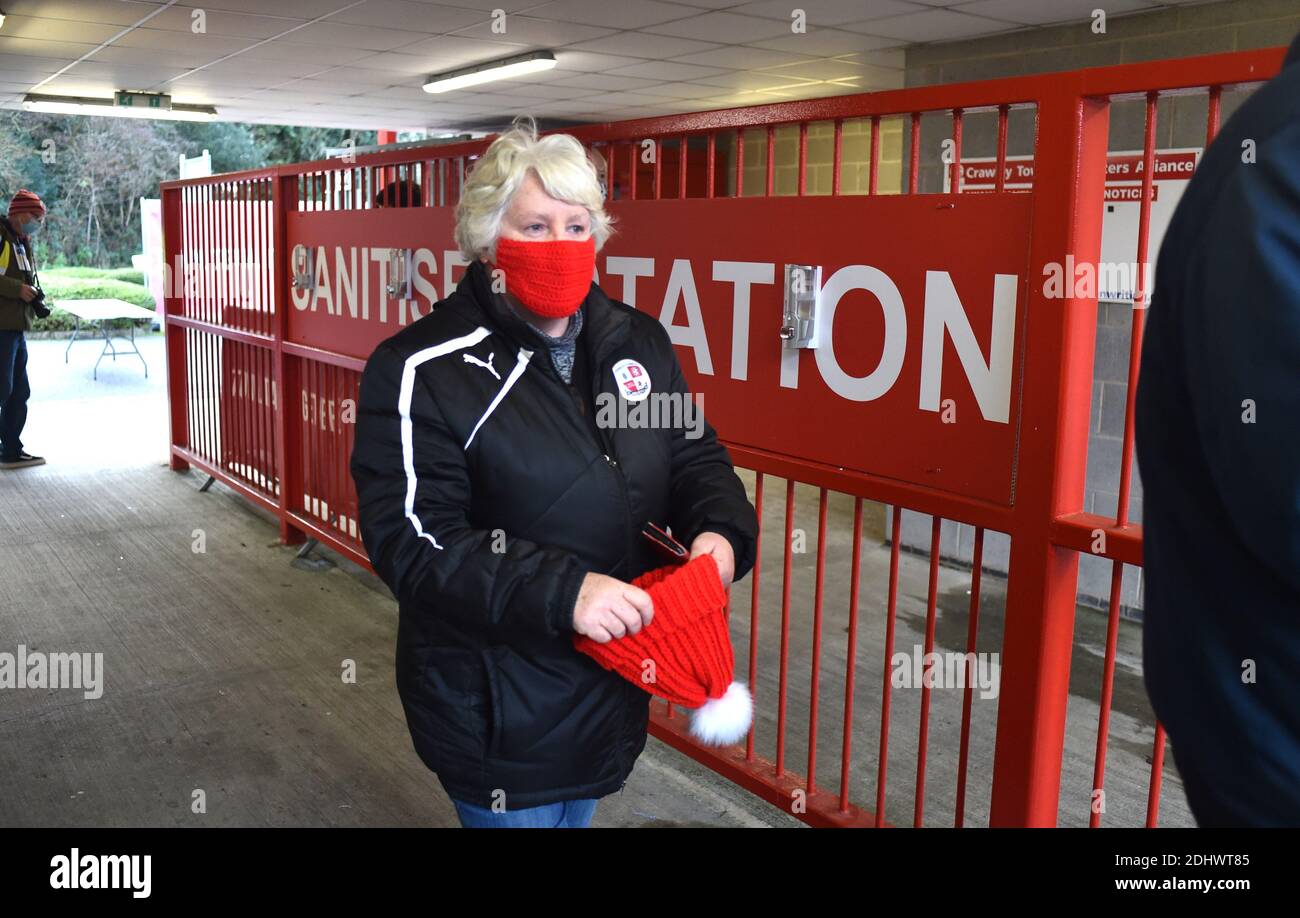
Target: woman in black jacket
(502, 495)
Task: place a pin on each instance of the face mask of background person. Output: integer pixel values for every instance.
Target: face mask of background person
(28, 227)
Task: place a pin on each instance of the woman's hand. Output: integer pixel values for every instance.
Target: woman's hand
(711, 543)
(608, 608)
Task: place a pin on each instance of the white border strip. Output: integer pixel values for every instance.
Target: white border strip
(404, 410)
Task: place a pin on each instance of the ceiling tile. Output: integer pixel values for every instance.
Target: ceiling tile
(410, 16)
(822, 42)
(104, 11)
(830, 12)
(741, 57)
(447, 51)
(58, 29)
(667, 70)
(294, 51)
(337, 34)
(532, 31)
(201, 48)
(38, 48)
(931, 25)
(756, 80)
(727, 28)
(604, 81)
(682, 90)
(222, 22)
(613, 15)
(1058, 11)
(641, 44)
(589, 62)
(295, 9)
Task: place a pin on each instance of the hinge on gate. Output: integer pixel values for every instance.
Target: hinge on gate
(799, 313)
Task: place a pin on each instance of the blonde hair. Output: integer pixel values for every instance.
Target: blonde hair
(559, 161)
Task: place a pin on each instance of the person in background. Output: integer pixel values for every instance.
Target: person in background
(18, 293)
(398, 194)
(1218, 441)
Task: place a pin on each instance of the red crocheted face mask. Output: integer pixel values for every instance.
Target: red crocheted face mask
(551, 278)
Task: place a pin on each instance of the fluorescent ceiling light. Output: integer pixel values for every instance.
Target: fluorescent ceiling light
(503, 69)
(86, 105)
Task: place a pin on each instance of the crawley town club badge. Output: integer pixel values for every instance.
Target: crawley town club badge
(632, 380)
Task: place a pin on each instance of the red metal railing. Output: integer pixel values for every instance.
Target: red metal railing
(236, 375)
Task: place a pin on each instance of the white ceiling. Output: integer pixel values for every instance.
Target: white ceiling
(361, 63)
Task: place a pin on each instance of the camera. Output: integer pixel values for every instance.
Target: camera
(38, 305)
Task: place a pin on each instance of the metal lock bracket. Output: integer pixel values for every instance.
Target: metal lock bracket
(301, 263)
(399, 273)
(803, 283)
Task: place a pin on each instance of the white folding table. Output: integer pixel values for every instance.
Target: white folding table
(96, 313)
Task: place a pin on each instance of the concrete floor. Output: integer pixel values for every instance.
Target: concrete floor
(223, 667)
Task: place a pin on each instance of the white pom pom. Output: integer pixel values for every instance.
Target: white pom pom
(723, 721)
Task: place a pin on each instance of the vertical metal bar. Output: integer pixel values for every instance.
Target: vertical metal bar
(1157, 776)
(837, 156)
(287, 446)
(205, 204)
(710, 158)
(176, 243)
(891, 614)
(815, 662)
(755, 584)
(681, 167)
(954, 181)
(238, 401)
(771, 157)
(265, 268)
(785, 626)
(212, 394)
(1070, 171)
(851, 654)
(740, 161)
(658, 170)
(931, 615)
(972, 632)
(914, 154)
(1107, 694)
(873, 176)
(1000, 182)
(803, 157)
(1212, 115)
(1139, 309)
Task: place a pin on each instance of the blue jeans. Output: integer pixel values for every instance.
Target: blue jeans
(567, 814)
(14, 392)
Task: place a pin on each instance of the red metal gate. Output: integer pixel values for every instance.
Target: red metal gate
(262, 374)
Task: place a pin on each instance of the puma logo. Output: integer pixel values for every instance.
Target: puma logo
(470, 358)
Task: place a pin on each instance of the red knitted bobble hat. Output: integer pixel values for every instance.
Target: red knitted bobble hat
(26, 202)
(684, 654)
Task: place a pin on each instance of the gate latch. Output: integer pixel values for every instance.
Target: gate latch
(399, 273)
(303, 276)
(799, 313)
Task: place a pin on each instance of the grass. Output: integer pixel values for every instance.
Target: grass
(130, 275)
(88, 284)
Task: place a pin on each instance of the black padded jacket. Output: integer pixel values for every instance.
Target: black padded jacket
(486, 494)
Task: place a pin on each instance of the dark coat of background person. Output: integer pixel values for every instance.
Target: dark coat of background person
(1221, 510)
(496, 697)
